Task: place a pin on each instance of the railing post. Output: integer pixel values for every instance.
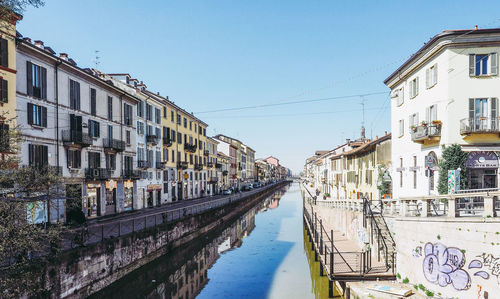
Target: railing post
(452, 207)
(321, 236)
(331, 253)
(489, 206)
(425, 208)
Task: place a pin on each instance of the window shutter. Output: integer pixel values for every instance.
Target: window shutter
(44, 82)
(494, 64)
(416, 86)
(494, 113)
(471, 112)
(428, 114)
(45, 155)
(68, 158)
(30, 154)
(44, 117)
(29, 78)
(472, 65)
(435, 77)
(427, 78)
(416, 119)
(5, 91)
(410, 120)
(434, 112)
(77, 87)
(30, 113)
(4, 49)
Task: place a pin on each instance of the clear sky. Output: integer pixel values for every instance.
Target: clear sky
(210, 55)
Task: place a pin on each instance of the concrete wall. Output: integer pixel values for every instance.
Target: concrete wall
(454, 258)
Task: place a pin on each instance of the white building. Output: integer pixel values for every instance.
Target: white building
(446, 93)
(82, 125)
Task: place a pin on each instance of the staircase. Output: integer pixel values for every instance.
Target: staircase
(380, 233)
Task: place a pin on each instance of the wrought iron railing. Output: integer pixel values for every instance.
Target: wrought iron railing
(76, 137)
(425, 132)
(114, 144)
(479, 125)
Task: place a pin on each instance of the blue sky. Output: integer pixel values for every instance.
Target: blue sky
(209, 55)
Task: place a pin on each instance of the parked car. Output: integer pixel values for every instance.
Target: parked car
(227, 191)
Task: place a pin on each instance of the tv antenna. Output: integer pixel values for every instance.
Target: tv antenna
(96, 59)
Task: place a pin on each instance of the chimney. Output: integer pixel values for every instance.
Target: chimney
(167, 98)
(63, 56)
(39, 44)
(27, 39)
(385, 132)
(475, 27)
(348, 141)
(158, 93)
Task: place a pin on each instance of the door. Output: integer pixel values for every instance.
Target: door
(158, 197)
(110, 201)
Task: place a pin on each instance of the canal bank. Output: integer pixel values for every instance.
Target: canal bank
(262, 254)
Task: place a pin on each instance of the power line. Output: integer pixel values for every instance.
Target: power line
(293, 102)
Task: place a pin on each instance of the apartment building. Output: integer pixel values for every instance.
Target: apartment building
(446, 93)
(213, 166)
(223, 171)
(80, 124)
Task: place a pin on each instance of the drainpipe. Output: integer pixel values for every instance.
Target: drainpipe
(56, 66)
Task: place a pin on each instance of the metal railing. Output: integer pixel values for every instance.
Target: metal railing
(114, 144)
(143, 164)
(153, 139)
(167, 141)
(99, 232)
(131, 174)
(424, 132)
(479, 125)
(189, 147)
(97, 173)
(76, 137)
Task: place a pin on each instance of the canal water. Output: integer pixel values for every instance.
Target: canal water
(260, 255)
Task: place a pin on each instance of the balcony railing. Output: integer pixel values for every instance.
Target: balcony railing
(131, 174)
(153, 139)
(159, 165)
(76, 137)
(114, 144)
(213, 179)
(422, 133)
(479, 125)
(167, 141)
(224, 172)
(198, 166)
(218, 165)
(143, 164)
(206, 152)
(182, 165)
(97, 173)
(210, 164)
(191, 148)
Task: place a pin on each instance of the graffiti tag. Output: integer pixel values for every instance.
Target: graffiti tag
(417, 252)
(490, 262)
(443, 266)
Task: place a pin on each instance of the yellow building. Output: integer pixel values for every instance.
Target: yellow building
(8, 71)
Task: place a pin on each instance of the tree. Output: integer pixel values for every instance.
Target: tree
(7, 7)
(453, 158)
(25, 243)
(385, 185)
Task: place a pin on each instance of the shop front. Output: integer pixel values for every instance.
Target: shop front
(111, 197)
(153, 195)
(482, 170)
(93, 202)
(128, 198)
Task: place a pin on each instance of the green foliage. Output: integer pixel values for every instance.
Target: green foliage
(406, 280)
(429, 293)
(385, 187)
(438, 237)
(422, 287)
(415, 287)
(453, 158)
(398, 276)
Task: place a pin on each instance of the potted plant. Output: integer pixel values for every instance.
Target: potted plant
(423, 123)
(436, 122)
(413, 128)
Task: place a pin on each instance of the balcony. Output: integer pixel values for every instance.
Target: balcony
(421, 134)
(224, 172)
(479, 125)
(159, 165)
(182, 165)
(167, 142)
(114, 144)
(143, 164)
(198, 166)
(213, 180)
(218, 165)
(210, 164)
(97, 173)
(152, 139)
(76, 137)
(190, 148)
(131, 174)
(206, 152)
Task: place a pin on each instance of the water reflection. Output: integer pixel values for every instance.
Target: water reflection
(183, 273)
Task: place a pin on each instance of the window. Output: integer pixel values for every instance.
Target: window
(129, 163)
(149, 130)
(4, 138)
(401, 172)
(140, 128)
(149, 156)
(127, 114)
(165, 154)
(158, 157)
(413, 86)
(4, 52)
(166, 132)
(157, 116)
(179, 137)
(401, 127)
(94, 160)
(149, 112)
(483, 64)
(4, 92)
(173, 156)
(431, 76)
(140, 109)
(185, 139)
(172, 115)
(110, 132)
(191, 159)
(164, 112)
(74, 95)
(190, 125)
(414, 172)
(178, 119)
(37, 115)
(140, 154)
(157, 132)
(483, 114)
(38, 155)
(413, 121)
(431, 113)
(185, 122)
(127, 137)
(111, 161)
(74, 158)
(94, 130)
(36, 81)
(110, 108)
(93, 101)
(204, 131)
(172, 135)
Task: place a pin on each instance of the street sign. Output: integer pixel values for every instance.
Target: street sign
(429, 161)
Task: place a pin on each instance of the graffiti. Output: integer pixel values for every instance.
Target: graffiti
(417, 252)
(479, 291)
(443, 266)
(488, 261)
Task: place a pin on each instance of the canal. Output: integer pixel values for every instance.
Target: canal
(260, 255)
